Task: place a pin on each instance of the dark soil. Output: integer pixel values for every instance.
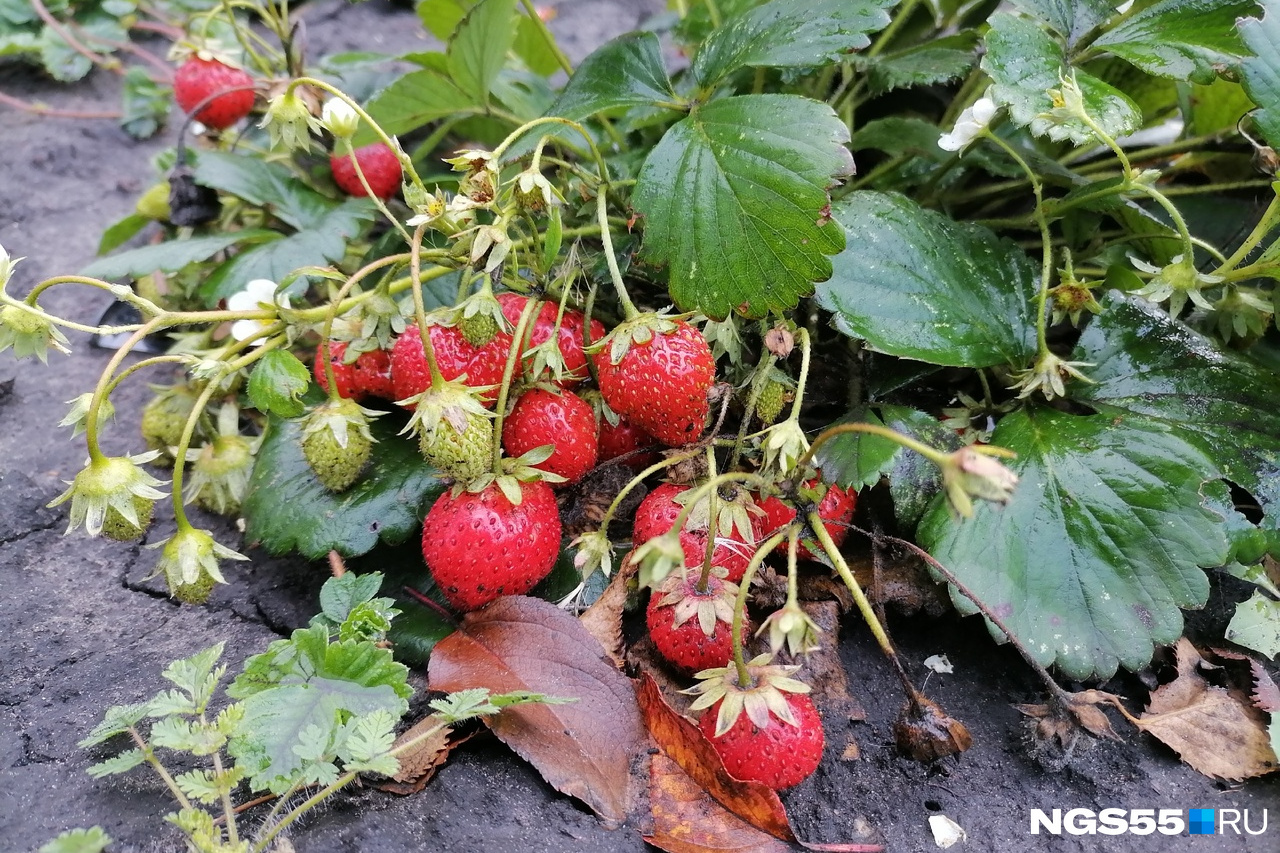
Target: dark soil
(85, 629)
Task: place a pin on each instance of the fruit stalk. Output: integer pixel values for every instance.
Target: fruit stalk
(935, 456)
(420, 308)
(740, 604)
(531, 307)
(350, 153)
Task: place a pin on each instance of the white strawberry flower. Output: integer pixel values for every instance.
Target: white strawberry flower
(258, 295)
(969, 126)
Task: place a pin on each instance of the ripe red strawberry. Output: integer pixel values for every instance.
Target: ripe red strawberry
(622, 439)
(693, 628)
(381, 169)
(657, 514)
(482, 365)
(569, 338)
(368, 376)
(479, 546)
(198, 78)
(779, 755)
(659, 383)
(562, 420)
(836, 509)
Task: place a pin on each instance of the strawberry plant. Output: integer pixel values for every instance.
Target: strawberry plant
(992, 288)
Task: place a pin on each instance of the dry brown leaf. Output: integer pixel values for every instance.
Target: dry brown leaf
(901, 579)
(583, 748)
(418, 766)
(824, 672)
(680, 739)
(1263, 691)
(1218, 734)
(603, 619)
(687, 820)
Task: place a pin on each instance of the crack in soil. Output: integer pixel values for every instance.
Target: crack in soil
(42, 528)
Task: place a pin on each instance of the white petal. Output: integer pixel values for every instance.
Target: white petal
(984, 109)
(949, 142)
(261, 289)
(242, 329)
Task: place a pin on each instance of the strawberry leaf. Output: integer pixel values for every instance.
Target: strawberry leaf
(626, 72)
(1181, 39)
(413, 100)
(1260, 74)
(1153, 367)
(1068, 18)
(1025, 61)
(789, 34)
(287, 509)
(172, 255)
(734, 199)
(478, 47)
(915, 284)
(1101, 544)
(277, 384)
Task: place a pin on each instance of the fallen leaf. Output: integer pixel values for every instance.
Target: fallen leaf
(1214, 732)
(925, 732)
(583, 748)
(826, 675)
(687, 820)
(680, 739)
(418, 766)
(946, 832)
(603, 619)
(901, 579)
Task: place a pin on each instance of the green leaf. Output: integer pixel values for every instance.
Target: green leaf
(532, 48)
(626, 72)
(442, 17)
(1025, 62)
(206, 786)
(1260, 73)
(1070, 19)
(122, 231)
(857, 460)
(92, 840)
(1151, 366)
(65, 63)
(789, 34)
(899, 135)
(935, 61)
(122, 763)
(116, 721)
(1215, 107)
(369, 737)
(197, 676)
(416, 99)
(340, 595)
(324, 243)
(734, 198)
(187, 736)
(915, 284)
(1181, 39)
(307, 684)
(1102, 542)
(277, 384)
(478, 47)
(275, 186)
(287, 509)
(172, 255)
(1256, 625)
(415, 632)
(145, 104)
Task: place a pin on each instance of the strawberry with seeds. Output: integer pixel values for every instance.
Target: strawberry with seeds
(201, 77)
(562, 420)
(380, 165)
(835, 506)
(482, 367)
(369, 375)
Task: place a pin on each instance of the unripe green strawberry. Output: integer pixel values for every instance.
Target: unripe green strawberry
(478, 329)
(769, 405)
(337, 443)
(220, 475)
(116, 526)
(154, 203)
(462, 455)
(193, 593)
(164, 418)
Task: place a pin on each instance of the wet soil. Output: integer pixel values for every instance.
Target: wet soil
(85, 629)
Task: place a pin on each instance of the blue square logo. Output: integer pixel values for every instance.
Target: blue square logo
(1201, 821)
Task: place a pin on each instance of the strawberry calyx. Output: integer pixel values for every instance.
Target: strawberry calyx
(764, 694)
(454, 430)
(636, 330)
(514, 472)
(710, 604)
(479, 317)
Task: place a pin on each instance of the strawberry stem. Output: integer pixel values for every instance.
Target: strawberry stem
(326, 331)
(531, 308)
(101, 390)
(350, 153)
(629, 310)
(758, 380)
(802, 334)
(420, 308)
(740, 604)
(710, 549)
(937, 457)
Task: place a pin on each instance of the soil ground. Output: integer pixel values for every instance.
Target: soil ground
(84, 628)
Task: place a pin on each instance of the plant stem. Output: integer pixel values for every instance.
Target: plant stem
(100, 391)
(531, 307)
(709, 551)
(151, 759)
(937, 457)
(802, 335)
(420, 308)
(53, 112)
(629, 309)
(326, 331)
(740, 604)
(1266, 223)
(900, 17)
(543, 30)
(344, 146)
(759, 380)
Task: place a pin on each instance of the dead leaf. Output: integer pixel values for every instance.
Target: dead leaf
(825, 673)
(419, 766)
(603, 619)
(902, 579)
(1264, 692)
(583, 748)
(680, 739)
(1218, 734)
(1061, 721)
(925, 732)
(687, 820)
